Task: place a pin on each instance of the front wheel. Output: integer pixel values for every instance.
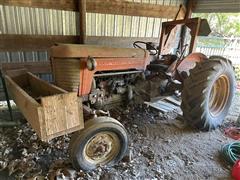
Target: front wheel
(208, 92)
(103, 141)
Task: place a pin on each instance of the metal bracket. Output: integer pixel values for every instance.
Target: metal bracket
(11, 122)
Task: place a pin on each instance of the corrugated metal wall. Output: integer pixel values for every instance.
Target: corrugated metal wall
(127, 26)
(38, 21)
(208, 6)
(35, 21)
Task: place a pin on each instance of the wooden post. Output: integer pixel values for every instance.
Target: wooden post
(188, 14)
(189, 5)
(82, 18)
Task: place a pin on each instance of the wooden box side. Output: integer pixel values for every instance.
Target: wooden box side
(62, 114)
(28, 106)
(42, 87)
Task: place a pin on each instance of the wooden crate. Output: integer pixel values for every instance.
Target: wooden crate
(50, 110)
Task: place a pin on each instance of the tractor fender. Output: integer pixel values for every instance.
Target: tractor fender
(188, 63)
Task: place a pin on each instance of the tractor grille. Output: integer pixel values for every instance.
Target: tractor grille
(66, 73)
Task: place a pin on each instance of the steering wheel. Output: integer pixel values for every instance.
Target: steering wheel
(136, 45)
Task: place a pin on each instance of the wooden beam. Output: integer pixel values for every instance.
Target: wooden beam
(104, 7)
(10, 42)
(82, 19)
(42, 67)
(118, 42)
(41, 42)
(133, 9)
(68, 5)
(190, 4)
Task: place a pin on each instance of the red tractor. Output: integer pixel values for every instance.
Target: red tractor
(106, 77)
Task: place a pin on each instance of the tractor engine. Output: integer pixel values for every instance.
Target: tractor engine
(111, 89)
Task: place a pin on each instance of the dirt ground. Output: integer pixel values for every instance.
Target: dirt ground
(162, 146)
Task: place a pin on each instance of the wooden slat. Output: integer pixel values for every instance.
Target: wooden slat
(34, 43)
(19, 77)
(104, 7)
(28, 106)
(122, 42)
(33, 67)
(31, 43)
(133, 9)
(82, 19)
(62, 113)
(69, 5)
(43, 88)
(10, 42)
(56, 113)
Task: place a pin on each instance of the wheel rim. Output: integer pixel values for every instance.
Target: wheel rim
(102, 148)
(219, 95)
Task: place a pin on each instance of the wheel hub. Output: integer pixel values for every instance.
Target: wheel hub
(102, 148)
(219, 95)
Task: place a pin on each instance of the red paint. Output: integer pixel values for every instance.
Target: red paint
(108, 64)
(236, 170)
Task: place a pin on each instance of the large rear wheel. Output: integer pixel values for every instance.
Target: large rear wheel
(208, 92)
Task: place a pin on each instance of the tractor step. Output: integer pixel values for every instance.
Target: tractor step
(166, 105)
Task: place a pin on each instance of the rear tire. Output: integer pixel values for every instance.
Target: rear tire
(103, 141)
(208, 92)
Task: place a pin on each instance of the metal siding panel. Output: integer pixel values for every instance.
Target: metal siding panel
(88, 24)
(150, 25)
(135, 26)
(157, 27)
(119, 25)
(26, 20)
(127, 26)
(217, 6)
(39, 21)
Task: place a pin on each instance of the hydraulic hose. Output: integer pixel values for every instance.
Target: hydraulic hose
(231, 152)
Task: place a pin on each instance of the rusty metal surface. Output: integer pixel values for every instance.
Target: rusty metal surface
(77, 51)
(205, 29)
(66, 73)
(189, 63)
(107, 64)
(106, 61)
(193, 24)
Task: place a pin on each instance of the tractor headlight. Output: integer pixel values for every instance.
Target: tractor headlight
(91, 63)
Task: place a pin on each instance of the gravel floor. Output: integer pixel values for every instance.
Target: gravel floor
(162, 146)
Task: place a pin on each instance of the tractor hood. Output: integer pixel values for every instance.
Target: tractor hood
(77, 51)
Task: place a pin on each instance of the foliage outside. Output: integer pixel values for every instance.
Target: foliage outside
(225, 29)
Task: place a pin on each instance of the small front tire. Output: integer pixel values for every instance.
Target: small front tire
(103, 142)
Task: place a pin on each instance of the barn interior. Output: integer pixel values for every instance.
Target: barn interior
(123, 89)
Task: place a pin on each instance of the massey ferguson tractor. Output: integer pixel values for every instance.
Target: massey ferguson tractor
(105, 77)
